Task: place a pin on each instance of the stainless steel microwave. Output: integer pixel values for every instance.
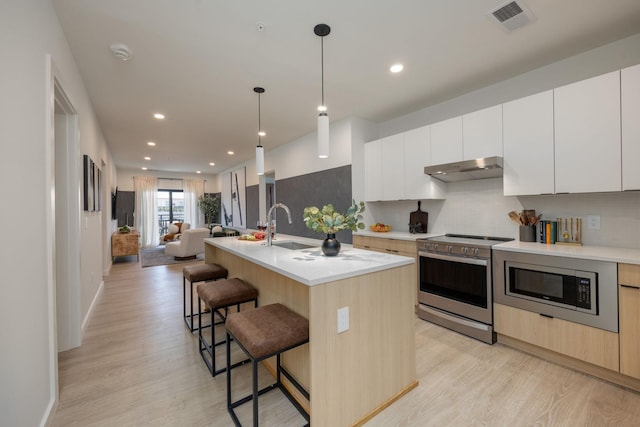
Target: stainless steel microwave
(563, 287)
(579, 290)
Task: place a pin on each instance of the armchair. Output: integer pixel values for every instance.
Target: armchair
(191, 243)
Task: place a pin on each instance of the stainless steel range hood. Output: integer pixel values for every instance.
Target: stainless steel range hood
(483, 168)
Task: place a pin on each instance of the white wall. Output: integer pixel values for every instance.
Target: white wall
(29, 30)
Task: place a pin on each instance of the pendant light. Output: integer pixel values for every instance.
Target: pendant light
(322, 30)
(259, 147)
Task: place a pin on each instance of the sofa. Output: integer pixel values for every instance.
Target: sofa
(191, 244)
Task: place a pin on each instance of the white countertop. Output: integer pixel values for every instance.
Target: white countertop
(310, 266)
(596, 253)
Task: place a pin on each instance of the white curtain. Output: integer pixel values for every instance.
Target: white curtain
(193, 190)
(146, 210)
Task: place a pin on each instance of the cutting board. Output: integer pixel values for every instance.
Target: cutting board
(420, 217)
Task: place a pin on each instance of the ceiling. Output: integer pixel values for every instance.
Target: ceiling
(197, 61)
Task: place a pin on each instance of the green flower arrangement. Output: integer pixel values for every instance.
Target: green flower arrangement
(328, 221)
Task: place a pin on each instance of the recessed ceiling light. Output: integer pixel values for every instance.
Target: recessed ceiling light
(144, 169)
(231, 153)
(158, 116)
(262, 133)
(147, 158)
(212, 164)
(396, 68)
(151, 144)
(198, 172)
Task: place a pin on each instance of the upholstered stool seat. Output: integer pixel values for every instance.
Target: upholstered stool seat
(194, 274)
(219, 295)
(262, 333)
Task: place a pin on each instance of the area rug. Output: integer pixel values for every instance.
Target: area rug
(150, 257)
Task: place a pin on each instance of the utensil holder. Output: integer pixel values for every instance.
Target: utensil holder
(527, 233)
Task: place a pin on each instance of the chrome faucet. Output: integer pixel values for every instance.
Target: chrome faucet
(277, 205)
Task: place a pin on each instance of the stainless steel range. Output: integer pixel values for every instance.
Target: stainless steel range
(455, 283)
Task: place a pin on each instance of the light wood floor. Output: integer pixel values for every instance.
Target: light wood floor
(139, 366)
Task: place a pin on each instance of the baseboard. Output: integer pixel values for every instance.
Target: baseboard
(85, 321)
(47, 420)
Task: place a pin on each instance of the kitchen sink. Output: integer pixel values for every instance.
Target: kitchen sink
(293, 245)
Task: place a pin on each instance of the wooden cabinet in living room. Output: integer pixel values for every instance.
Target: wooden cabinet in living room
(125, 244)
(630, 101)
(528, 145)
(587, 135)
(482, 133)
(629, 300)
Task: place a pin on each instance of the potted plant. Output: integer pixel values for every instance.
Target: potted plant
(209, 206)
(328, 221)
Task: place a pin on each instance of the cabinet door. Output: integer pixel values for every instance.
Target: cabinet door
(417, 155)
(629, 294)
(373, 170)
(528, 145)
(587, 135)
(482, 133)
(393, 167)
(630, 84)
(446, 141)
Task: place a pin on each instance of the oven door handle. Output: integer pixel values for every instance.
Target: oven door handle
(463, 260)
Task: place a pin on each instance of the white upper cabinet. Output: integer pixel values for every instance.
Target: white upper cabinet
(528, 145)
(446, 141)
(587, 135)
(630, 84)
(482, 133)
(393, 167)
(373, 170)
(417, 155)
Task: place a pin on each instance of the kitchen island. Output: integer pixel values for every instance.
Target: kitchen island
(354, 374)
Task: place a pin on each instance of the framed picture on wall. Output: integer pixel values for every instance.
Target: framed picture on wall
(87, 183)
(98, 193)
(239, 197)
(227, 210)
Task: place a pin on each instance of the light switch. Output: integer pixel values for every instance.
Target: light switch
(343, 319)
(593, 222)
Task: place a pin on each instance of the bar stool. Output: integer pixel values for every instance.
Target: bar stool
(262, 333)
(218, 295)
(194, 274)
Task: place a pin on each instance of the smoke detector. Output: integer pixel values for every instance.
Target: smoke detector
(512, 15)
(121, 51)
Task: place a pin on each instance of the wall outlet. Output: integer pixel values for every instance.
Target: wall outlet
(343, 319)
(593, 222)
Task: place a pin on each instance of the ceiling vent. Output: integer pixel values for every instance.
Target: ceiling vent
(121, 51)
(512, 15)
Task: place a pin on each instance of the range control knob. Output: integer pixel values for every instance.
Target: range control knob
(449, 248)
(465, 250)
(476, 251)
(435, 246)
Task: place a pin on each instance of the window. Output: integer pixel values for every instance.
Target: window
(170, 208)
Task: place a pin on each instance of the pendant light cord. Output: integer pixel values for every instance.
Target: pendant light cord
(322, 67)
(259, 123)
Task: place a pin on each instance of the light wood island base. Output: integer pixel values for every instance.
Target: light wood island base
(353, 375)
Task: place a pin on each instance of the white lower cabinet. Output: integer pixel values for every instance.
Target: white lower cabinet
(587, 135)
(528, 145)
(630, 84)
